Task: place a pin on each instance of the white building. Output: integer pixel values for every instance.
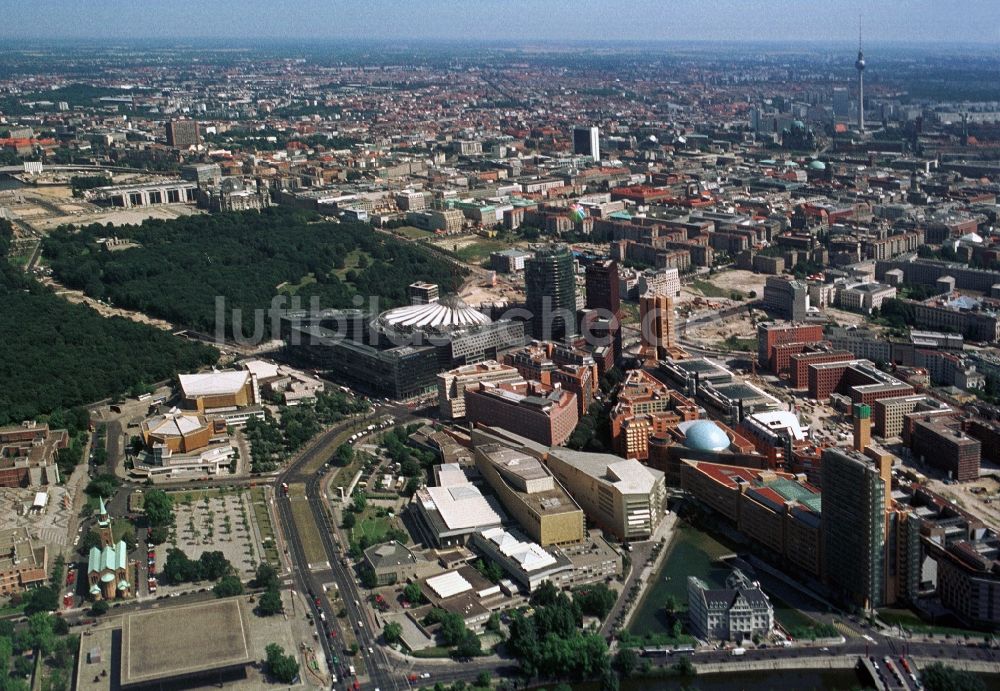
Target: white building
(659, 282)
(732, 613)
(864, 297)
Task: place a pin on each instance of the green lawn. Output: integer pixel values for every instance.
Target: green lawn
(710, 290)
(433, 651)
(351, 262)
(373, 527)
(479, 250)
(292, 288)
(413, 233)
(630, 313)
(911, 622)
(747, 345)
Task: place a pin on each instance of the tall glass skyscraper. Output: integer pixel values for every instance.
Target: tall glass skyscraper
(550, 286)
(854, 527)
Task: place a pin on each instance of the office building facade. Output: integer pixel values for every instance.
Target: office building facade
(622, 497)
(587, 142)
(603, 290)
(550, 289)
(529, 493)
(855, 496)
(183, 134)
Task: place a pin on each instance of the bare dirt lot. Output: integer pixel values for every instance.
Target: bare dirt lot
(45, 208)
(981, 497)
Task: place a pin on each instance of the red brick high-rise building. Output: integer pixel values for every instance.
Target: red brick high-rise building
(656, 325)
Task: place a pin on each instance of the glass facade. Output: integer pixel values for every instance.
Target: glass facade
(550, 287)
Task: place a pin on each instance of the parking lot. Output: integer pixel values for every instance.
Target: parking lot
(214, 520)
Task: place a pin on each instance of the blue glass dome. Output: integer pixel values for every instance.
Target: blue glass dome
(705, 435)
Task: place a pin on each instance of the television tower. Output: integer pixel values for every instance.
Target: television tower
(859, 65)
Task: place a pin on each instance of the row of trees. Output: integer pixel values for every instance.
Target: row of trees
(58, 355)
(210, 566)
(266, 578)
(271, 441)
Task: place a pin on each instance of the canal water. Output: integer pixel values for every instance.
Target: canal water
(9, 183)
(691, 552)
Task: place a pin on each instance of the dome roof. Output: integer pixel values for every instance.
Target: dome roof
(444, 315)
(817, 165)
(705, 435)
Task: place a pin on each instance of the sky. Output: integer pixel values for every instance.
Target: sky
(911, 21)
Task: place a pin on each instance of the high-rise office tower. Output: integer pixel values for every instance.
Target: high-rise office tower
(586, 142)
(603, 290)
(841, 102)
(550, 288)
(604, 293)
(656, 324)
(183, 134)
(856, 491)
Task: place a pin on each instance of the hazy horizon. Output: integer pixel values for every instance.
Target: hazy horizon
(911, 22)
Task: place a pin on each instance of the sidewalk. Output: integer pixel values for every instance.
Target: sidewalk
(664, 530)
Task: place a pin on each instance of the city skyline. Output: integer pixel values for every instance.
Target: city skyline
(911, 21)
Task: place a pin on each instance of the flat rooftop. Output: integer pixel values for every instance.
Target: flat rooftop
(177, 641)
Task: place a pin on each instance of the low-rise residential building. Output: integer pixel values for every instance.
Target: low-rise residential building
(646, 407)
(23, 562)
(528, 563)
(509, 261)
(865, 297)
(888, 414)
(28, 454)
(774, 509)
(547, 416)
(286, 384)
(940, 442)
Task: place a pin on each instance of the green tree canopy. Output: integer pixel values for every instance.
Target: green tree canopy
(940, 677)
(392, 632)
(270, 603)
(281, 667)
(266, 577)
(159, 507)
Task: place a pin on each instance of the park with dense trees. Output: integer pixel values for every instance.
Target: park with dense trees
(180, 266)
(58, 355)
(550, 642)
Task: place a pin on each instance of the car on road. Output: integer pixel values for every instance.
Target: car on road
(371, 651)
